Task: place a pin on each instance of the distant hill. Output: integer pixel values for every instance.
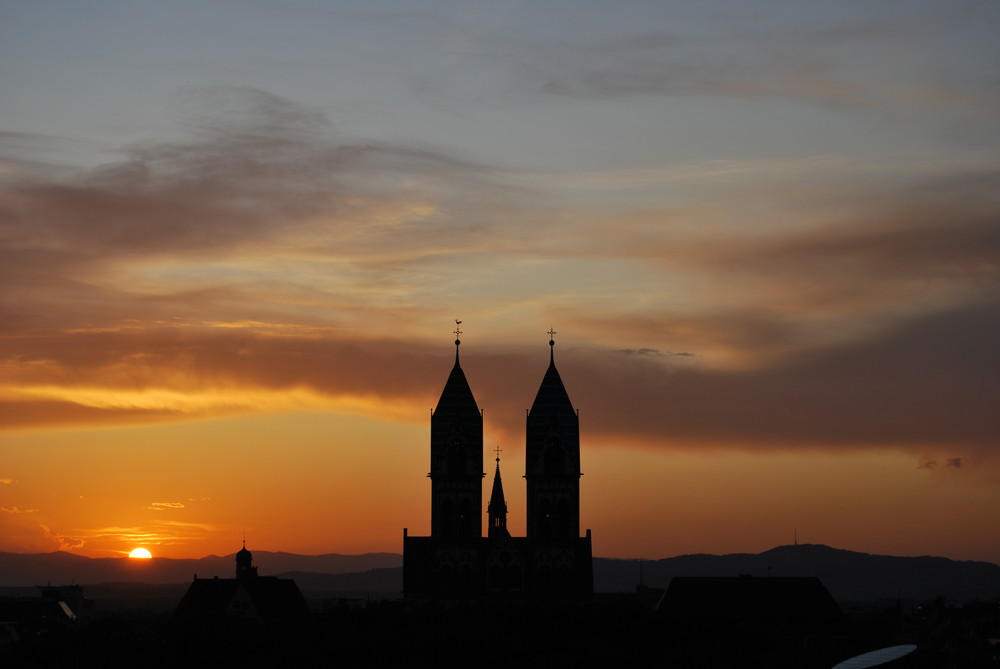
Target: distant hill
(21, 569)
(848, 575)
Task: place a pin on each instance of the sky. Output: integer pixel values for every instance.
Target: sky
(235, 237)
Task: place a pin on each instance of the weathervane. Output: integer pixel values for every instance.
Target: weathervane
(552, 334)
(458, 332)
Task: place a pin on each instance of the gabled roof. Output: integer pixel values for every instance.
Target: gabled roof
(206, 598)
(797, 601)
(275, 600)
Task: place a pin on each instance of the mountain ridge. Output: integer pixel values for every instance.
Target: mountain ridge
(25, 569)
(848, 575)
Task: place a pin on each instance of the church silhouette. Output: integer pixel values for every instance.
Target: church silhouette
(456, 562)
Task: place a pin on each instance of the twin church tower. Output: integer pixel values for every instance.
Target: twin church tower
(456, 561)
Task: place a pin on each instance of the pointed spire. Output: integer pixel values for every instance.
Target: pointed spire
(497, 507)
(552, 395)
(457, 396)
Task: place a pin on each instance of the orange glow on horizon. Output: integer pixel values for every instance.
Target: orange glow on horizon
(350, 485)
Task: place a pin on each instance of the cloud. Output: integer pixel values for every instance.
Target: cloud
(32, 412)
(16, 510)
(161, 533)
(655, 353)
(269, 264)
(6, 481)
(261, 213)
(937, 230)
(953, 463)
(254, 164)
(62, 541)
(155, 375)
(769, 77)
(798, 59)
(162, 506)
(926, 380)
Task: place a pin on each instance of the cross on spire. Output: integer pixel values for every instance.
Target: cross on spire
(498, 450)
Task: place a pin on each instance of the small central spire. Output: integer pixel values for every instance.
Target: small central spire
(552, 346)
(497, 507)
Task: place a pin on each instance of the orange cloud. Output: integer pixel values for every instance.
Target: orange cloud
(871, 391)
(14, 509)
(62, 541)
(162, 506)
(257, 266)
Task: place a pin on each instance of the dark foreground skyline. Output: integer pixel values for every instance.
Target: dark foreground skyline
(777, 621)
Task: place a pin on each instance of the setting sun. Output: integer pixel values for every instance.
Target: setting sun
(140, 553)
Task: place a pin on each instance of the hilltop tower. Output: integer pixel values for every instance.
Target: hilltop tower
(244, 564)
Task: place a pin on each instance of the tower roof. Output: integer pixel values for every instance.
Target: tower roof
(457, 398)
(243, 553)
(552, 397)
